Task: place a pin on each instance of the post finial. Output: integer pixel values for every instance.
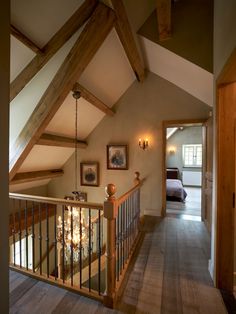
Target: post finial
(110, 190)
(136, 178)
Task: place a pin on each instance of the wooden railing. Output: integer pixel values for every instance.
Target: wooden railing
(61, 241)
(123, 222)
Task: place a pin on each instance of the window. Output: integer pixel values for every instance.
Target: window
(192, 155)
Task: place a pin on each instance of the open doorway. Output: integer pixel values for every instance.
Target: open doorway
(183, 169)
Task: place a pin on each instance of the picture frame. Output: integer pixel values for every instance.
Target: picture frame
(117, 157)
(89, 173)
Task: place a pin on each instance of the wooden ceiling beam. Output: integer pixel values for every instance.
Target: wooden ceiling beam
(25, 40)
(60, 141)
(54, 44)
(93, 100)
(23, 177)
(125, 34)
(86, 46)
(164, 19)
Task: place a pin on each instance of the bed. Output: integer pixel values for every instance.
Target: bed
(174, 187)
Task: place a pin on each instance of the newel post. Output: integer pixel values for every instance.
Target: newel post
(136, 178)
(110, 213)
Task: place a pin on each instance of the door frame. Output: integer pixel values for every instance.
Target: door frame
(175, 123)
(225, 174)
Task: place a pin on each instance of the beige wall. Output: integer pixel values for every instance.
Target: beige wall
(224, 32)
(140, 112)
(4, 100)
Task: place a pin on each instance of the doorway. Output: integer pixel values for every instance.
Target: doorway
(184, 147)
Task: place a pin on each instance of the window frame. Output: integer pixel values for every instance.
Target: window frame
(194, 157)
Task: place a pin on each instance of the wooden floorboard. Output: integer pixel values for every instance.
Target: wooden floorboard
(169, 274)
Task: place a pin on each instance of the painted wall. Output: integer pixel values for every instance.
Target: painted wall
(224, 32)
(190, 39)
(139, 113)
(4, 144)
(189, 135)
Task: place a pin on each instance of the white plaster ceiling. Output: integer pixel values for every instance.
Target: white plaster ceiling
(24, 56)
(45, 158)
(63, 123)
(107, 76)
(109, 73)
(179, 71)
(39, 20)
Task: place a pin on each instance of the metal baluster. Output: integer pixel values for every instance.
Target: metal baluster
(55, 243)
(20, 233)
(33, 239)
(63, 243)
(120, 238)
(99, 252)
(117, 245)
(26, 235)
(126, 229)
(132, 219)
(128, 214)
(47, 239)
(89, 249)
(14, 232)
(123, 234)
(80, 248)
(40, 239)
(71, 246)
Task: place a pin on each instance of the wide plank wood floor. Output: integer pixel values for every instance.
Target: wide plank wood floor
(168, 275)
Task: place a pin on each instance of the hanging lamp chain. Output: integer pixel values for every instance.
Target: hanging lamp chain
(76, 95)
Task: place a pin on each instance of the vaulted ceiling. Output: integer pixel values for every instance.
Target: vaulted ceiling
(106, 75)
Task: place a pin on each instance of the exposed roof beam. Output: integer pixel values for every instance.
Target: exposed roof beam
(124, 31)
(54, 44)
(60, 141)
(93, 99)
(25, 40)
(164, 19)
(23, 177)
(91, 38)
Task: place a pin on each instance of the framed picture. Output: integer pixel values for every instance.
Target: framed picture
(89, 173)
(117, 157)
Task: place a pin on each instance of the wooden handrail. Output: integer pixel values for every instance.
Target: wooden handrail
(55, 201)
(124, 197)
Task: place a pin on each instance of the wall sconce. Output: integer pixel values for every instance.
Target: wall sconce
(143, 143)
(172, 150)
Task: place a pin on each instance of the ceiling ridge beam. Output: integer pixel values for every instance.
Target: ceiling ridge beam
(164, 19)
(55, 43)
(86, 46)
(25, 40)
(23, 177)
(125, 34)
(93, 100)
(60, 141)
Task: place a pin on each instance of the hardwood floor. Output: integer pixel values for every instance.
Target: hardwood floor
(168, 275)
(191, 206)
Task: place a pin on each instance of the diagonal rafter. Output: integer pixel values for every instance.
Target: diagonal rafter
(92, 99)
(49, 50)
(24, 177)
(164, 19)
(47, 139)
(25, 40)
(91, 38)
(125, 34)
